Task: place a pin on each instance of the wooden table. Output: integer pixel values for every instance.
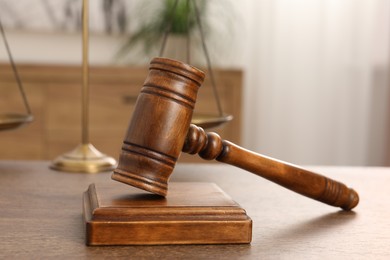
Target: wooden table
(41, 216)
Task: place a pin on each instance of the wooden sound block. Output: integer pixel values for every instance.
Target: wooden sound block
(192, 213)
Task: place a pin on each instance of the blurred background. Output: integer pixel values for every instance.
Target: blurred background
(314, 74)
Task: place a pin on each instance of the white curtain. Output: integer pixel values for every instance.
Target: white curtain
(316, 88)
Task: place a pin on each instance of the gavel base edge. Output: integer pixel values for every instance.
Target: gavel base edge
(192, 213)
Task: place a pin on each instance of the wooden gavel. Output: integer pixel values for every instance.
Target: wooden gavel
(160, 129)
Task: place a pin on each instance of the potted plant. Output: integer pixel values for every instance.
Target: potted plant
(154, 18)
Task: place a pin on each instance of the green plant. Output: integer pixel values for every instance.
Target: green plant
(156, 17)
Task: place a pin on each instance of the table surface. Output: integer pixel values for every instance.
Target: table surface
(41, 216)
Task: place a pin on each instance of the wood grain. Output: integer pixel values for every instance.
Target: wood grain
(54, 94)
(41, 216)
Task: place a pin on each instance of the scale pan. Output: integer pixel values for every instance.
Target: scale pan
(210, 121)
(11, 121)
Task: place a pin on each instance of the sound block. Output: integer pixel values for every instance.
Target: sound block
(192, 213)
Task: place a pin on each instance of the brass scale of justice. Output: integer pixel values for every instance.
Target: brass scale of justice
(148, 158)
(10, 121)
(85, 157)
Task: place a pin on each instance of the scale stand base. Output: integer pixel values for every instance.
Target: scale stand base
(84, 158)
(192, 213)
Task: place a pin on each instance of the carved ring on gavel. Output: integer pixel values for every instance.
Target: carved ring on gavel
(161, 128)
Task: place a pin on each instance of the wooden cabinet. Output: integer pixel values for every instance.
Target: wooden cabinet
(54, 94)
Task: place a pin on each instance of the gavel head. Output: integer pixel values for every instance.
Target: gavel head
(159, 125)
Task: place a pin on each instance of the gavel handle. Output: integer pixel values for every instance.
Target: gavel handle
(313, 185)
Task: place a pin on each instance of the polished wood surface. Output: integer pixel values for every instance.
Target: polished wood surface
(41, 216)
(54, 94)
(192, 213)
